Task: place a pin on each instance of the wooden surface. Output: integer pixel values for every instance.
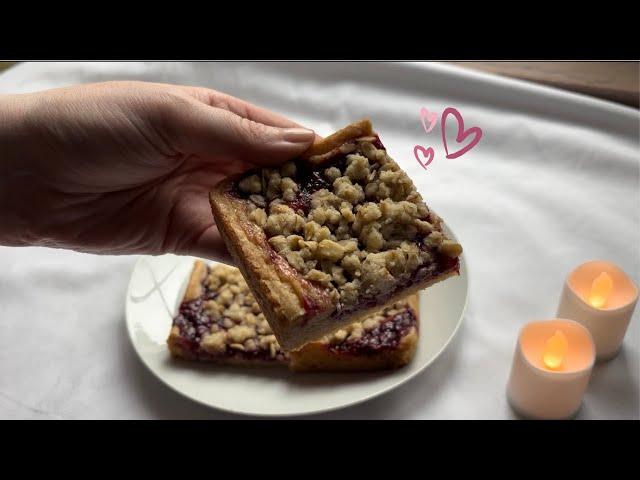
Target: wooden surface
(615, 81)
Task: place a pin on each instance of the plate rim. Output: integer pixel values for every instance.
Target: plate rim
(371, 396)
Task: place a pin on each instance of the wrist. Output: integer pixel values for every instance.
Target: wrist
(18, 177)
(17, 134)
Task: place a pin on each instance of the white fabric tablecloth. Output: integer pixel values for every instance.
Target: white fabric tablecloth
(554, 182)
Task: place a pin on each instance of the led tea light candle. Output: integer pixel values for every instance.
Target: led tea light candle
(601, 297)
(551, 369)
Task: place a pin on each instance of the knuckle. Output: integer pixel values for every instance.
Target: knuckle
(253, 132)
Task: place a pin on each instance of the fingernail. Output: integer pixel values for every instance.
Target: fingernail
(298, 135)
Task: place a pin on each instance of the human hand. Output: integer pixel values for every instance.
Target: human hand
(126, 167)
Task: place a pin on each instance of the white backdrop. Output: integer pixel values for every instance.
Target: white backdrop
(553, 182)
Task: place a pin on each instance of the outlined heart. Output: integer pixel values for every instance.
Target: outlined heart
(461, 135)
(426, 152)
(431, 117)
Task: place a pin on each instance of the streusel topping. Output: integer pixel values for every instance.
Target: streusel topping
(355, 225)
(238, 323)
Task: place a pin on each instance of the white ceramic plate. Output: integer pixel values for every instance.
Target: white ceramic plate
(155, 290)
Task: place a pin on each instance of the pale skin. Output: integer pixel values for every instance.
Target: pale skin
(126, 167)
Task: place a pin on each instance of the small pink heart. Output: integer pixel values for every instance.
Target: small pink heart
(431, 117)
(461, 135)
(426, 152)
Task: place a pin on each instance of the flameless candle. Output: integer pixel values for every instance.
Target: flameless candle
(551, 369)
(601, 297)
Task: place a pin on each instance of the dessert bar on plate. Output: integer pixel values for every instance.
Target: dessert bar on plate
(219, 321)
(330, 238)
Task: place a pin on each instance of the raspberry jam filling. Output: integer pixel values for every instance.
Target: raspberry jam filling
(387, 335)
(194, 323)
(310, 179)
(314, 183)
(378, 144)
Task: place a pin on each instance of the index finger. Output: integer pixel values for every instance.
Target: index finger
(240, 107)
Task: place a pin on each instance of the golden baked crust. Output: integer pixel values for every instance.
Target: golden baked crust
(315, 357)
(319, 357)
(361, 346)
(194, 287)
(359, 129)
(306, 286)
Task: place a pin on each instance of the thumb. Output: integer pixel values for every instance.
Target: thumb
(214, 132)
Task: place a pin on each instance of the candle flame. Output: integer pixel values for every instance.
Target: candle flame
(600, 290)
(555, 350)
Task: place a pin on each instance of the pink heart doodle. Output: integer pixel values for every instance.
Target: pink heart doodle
(432, 117)
(461, 135)
(427, 152)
